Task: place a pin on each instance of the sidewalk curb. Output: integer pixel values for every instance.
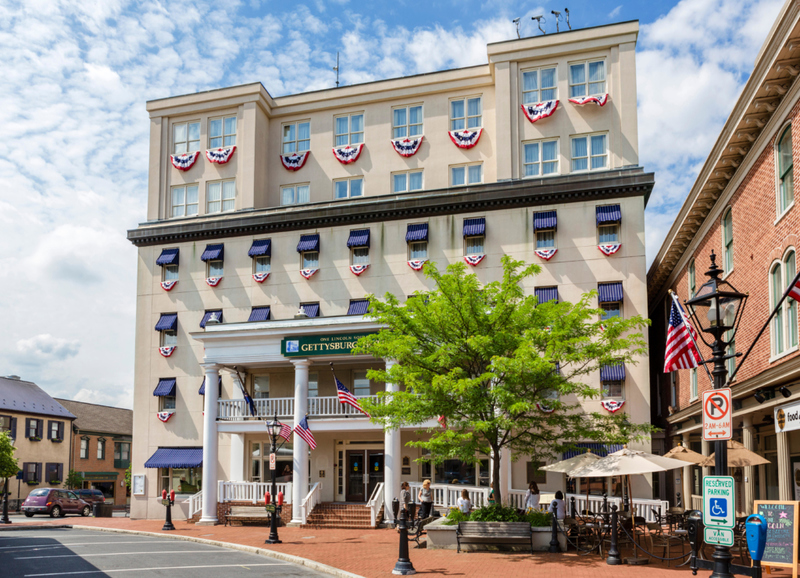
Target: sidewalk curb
(312, 564)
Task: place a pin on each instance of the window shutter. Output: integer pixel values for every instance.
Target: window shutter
(14, 428)
(61, 430)
(49, 429)
(27, 426)
(39, 427)
(39, 472)
(25, 476)
(61, 472)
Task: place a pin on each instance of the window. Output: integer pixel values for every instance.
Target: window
(122, 451)
(360, 383)
(295, 194)
(407, 121)
(352, 187)
(261, 387)
(32, 472)
(474, 236)
(84, 448)
(693, 378)
(612, 389)
(309, 260)
(101, 448)
(692, 280)
(406, 181)
(474, 245)
(221, 196)
(262, 264)
(589, 152)
(221, 132)
(169, 273)
(784, 324)
(184, 201)
(166, 403)
(541, 158)
(359, 256)
(466, 174)
(185, 137)
(611, 310)
(727, 240)
(34, 428)
(608, 233)
(56, 430)
(349, 129)
(215, 268)
(586, 83)
(418, 251)
(296, 137)
(182, 480)
(785, 171)
(539, 85)
(5, 425)
(169, 337)
(313, 384)
(544, 224)
(465, 113)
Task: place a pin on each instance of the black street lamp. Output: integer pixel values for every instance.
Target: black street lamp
(273, 429)
(717, 310)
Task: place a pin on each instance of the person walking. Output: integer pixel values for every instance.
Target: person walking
(532, 497)
(464, 505)
(426, 499)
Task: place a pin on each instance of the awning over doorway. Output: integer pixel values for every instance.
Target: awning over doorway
(175, 458)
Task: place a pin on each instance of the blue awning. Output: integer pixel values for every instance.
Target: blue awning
(545, 294)
(213, 253)
(475, 227)
(259, 314)
(609, 292)
(311, 309)
(358, 238)
(358, 307)
(308, 243)
(166, 386)
(168, 257)
(417, 232)
(608, 214)
(612, 372)
(176, 458)
(546, 220)
(203, 386)
(167, 322)
(208, 315)
(601, 450)
(260, 248)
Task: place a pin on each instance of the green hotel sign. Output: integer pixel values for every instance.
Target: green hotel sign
(310, 345)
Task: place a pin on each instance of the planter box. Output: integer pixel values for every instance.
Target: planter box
(441, 537)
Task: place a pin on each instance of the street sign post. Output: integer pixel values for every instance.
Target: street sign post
(721, 536)
(718, 502)
(717, 422)
(272, 461)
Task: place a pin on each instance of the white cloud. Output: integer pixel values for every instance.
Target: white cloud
(110, 396)
(46, 348)
(615, 12)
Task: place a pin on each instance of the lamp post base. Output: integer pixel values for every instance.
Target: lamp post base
(403, 568)
(271, 541)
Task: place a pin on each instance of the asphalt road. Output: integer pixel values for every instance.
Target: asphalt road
(39, 553)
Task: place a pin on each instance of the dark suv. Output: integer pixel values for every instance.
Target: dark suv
(55, 503)
(91, 496)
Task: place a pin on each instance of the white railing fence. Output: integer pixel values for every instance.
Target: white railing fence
(195, 503)
(283, 407)
(375, 503)
(697, 502)
(313, 498)
(251, 491)
(447, 495)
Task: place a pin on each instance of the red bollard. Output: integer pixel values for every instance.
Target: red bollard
(266, 498)
(280, 498)
(163, 494)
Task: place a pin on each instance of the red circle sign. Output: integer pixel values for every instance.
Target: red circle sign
(716, 406)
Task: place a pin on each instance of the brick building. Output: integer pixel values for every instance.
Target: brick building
(742, 208)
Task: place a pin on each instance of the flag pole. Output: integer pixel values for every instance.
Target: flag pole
(691, 335)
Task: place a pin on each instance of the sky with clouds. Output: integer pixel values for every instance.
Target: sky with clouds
(77, 74)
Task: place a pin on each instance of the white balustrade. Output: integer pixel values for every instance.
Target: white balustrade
(697, 502)
(237, 409)
(311, 500)
(374, 504)
(446, 495)
(195, 503)
(251, 491)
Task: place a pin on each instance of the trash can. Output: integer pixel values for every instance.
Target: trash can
(103, 510)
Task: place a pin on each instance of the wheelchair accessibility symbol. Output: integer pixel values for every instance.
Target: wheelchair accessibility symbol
(719, 508)
(718, 500)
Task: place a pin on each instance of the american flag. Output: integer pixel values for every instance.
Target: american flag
(286, 432)
(442, 421)
(681, 350)
(794, 288)
(346, 397)
(302, 430)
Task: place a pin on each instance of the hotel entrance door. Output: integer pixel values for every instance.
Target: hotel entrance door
(364, 472)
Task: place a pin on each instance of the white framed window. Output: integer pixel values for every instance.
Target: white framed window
(84, 448)
(466, 113)
(348, 188)
(407, 121)
(539, 85)
(313, 384)
(693, 380)
(296, 137)
(54, 427)
(785, 170)
(540, 158)
(295, 194)
(262, 264)
(169, 337)
(184, 201)
(692, 279)
(261, 387)
(407, 181)
(185, 137)
(613, 389)
(417, 250)
(784, 324)
(474, 245)
(166, 402)
(221, 196)
(608, 233)
(727, 241)
(546, 239)
(360, 383)
(309, 260)
(349, 129)
(611, 309)
(359, 255)
(101, 449)
(221, 132)
(169, 273)
(471, 174)
(215, 268)
(589, 152)
(587, 78)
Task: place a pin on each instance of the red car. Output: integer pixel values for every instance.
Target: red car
(55, 503)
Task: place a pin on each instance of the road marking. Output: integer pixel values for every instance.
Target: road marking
(60, 545)
(157, 568)
(209, 551)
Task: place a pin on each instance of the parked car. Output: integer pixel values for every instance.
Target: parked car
(91, 496)
(55, 503)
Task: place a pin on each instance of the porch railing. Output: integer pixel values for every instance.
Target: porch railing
(195, 503)
(313, 498)
(697, 502)
(251, 491)
(375, 503)
(283, 407)
(447, 495)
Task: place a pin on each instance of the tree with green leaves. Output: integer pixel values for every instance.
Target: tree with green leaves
(498, 368)
(74, 480)
(8, 463)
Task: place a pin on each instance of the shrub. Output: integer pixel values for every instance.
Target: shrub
(454, 516)
(498, 513)
(538, 519)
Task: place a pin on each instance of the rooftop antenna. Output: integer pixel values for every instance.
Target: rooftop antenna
(557, 14)
(566, 11)
(539, 20)
(336, 68)
(516, 21)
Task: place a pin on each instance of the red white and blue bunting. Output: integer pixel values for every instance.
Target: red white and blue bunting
(348, 154)
(165, 415)
(358, 269)
(294, 161)
(417, 264)
(185, 161)
(308, 273)
(166, 351)
(612, 405)
(609, 249)
(168, 285)
(599, 100)
(213, 281)
(260, 277)
(474, 259)
(544, 408)
(407, 147)
(221, 155)
(534, 112)
(465, 139)
(545, 254)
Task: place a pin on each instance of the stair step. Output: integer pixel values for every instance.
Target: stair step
(341, 516)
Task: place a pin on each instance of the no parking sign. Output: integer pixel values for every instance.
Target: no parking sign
(717, 422)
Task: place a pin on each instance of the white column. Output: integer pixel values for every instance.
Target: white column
(210, 446)
(392, 458)
(300, 447)
(748, 439)
(238, 458)
(784, 474)
(687, 479)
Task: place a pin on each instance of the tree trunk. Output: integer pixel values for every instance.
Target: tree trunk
(498, 496)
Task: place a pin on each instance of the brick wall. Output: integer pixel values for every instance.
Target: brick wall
(93, 464)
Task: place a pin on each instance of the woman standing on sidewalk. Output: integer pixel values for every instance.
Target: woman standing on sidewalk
(532, 497)
(426, 500)
(405, 496)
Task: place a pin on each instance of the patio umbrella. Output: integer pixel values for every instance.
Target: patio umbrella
(685, 455)
(738, 457)
(565, 466)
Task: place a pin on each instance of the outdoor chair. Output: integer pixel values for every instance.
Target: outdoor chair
(658, 539)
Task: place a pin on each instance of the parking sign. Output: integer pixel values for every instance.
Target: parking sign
(718, 500)
(717, 422)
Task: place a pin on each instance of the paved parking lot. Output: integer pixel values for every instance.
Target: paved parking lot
(34, 553)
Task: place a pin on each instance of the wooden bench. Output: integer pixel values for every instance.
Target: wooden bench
(246, 514)
(494, 533)
(417, 530)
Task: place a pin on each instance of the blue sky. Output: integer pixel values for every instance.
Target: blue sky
(74, 145)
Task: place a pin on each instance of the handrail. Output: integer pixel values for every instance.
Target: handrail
(374, 504)
(250, 491)
(195, 503)
(283, 407)
(310, 501)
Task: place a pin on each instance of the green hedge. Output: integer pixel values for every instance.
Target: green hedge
(498, 513)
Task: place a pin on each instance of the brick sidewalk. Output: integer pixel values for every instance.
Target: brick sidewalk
(373, 553)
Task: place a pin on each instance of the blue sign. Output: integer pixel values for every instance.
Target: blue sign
(719, 507)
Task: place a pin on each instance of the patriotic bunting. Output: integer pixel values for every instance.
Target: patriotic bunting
(442, 421)
(612, 405)
(213, 281)
(260, 277)
(358, 269)
(166, 351)
(465, 139)
(416, 264)
(168, 285)
(581, 100)
(221, 155)
(407, 147)
(348, 154)
(544, 408)
(474, 259)
(185, 161)
(294, 161)
(546, 254)
(308, 273)
(304, 432)
(164, 415)
(609, 249)
(534, 112)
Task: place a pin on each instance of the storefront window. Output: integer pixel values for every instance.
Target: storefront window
(259, 467)
(256, 461)
(182, 480)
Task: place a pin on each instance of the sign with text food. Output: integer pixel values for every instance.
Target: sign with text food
(787, 417)
(311, 345)
(718, 502)
(721, 536)
(782, 538)
(717, 422)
